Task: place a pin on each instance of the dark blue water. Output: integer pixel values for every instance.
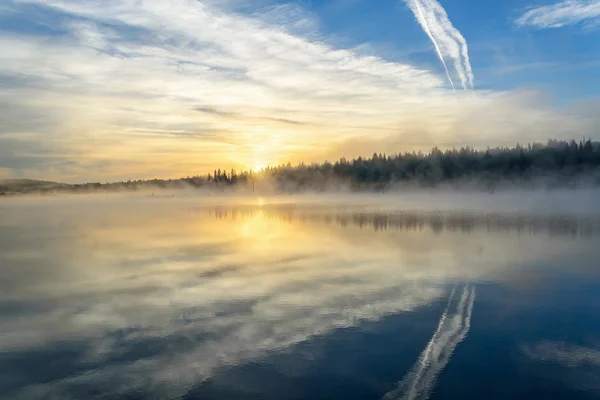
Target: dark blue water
(176, 300)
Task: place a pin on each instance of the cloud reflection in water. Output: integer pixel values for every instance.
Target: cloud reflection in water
(148, 299)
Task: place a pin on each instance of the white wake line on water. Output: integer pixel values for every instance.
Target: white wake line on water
(452, 329)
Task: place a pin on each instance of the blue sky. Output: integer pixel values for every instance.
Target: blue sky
(505, 55)
(103, 90)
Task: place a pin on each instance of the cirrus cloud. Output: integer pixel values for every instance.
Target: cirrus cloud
(563, 13)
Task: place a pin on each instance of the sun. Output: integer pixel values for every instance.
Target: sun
(259, 167)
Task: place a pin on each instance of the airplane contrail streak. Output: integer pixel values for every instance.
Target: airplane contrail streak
(447, 40)
(426, 354)
(423, 21)
(460, 40)
(452, 329)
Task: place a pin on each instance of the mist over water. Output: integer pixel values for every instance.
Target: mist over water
(423, 295)
(543, 201)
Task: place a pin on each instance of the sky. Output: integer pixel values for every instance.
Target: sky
(105, 90)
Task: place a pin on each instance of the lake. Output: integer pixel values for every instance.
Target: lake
(196, 298)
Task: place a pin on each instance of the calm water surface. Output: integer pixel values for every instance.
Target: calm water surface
(180, 300)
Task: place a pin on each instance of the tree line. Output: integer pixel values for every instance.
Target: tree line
(556, 162)
(560, 163)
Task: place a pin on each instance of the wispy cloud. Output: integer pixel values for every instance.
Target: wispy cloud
(232, 114)
(573, 365)
(120, 66)
(563, 13)
(563, 354)
(447, 40)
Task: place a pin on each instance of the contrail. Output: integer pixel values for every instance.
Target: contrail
(423, 21)
(464, 324)
(452, 329)
(425, 357)
(460, 40)
(447, 40)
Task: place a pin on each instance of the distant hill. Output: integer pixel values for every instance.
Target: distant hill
(9, 186)
(25, 182)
